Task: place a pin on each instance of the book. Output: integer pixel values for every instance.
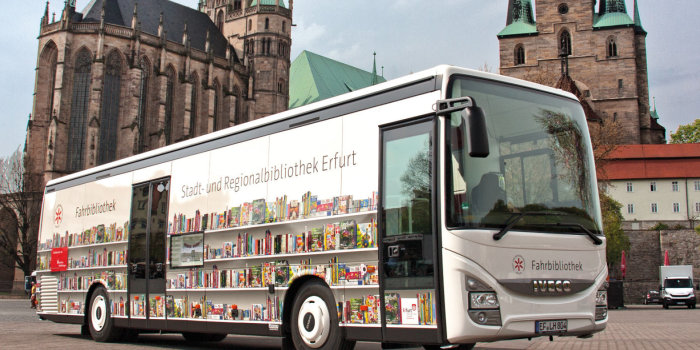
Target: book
(330, 237)
(392, 312)
(364, 236)
(257, 312)
(293, 210)
(409, 311)
(258, 212)
(316, 239)
(348, 234)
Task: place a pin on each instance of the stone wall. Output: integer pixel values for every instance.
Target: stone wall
(646, 254)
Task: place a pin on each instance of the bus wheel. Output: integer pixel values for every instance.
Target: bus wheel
(314, 322)
(100, 322)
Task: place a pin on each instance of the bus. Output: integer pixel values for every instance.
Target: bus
(444, 208)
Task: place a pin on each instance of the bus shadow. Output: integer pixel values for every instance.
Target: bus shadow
(175, 341)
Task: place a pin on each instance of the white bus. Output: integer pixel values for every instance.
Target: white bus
(447, 207)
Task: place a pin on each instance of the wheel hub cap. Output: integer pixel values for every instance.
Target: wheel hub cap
(99, 313)
(314, 323)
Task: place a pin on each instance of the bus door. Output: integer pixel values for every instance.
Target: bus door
(147, 254)
(407, 229)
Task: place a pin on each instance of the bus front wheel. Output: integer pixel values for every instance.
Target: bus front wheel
(314, 322)
(100, 323)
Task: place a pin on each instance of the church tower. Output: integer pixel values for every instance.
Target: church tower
(260, 32)
(597, 45)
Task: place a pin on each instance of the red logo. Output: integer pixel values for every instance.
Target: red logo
(518, 264)
(58, 215)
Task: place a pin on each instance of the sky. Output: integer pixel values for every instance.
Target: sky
(407, 35)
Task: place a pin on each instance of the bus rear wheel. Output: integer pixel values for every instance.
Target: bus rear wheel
(100, 323)
(314, 321)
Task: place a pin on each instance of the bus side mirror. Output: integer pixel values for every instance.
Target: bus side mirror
(478, 137)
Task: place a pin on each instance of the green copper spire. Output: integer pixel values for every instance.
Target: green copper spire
(612, 13)
(520, 20)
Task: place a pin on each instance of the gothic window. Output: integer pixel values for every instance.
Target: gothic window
(169, 89)
(143, 104)
(220, 20)
(284, 26)
(193, 105)
(79, 110)
(237, 5)
(267, 23)
(217, 103)
(280, 86)
(110, 109)
(49, 58)
(565, 43)
(611, 48)
(250, 24)
(267, 47)
(519, 55)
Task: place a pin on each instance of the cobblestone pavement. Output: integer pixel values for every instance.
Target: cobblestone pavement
(638, 327)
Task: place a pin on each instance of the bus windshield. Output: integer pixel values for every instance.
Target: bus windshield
(539, 174)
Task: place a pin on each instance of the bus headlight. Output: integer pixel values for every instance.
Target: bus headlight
(601, 298)
(483, 300)
(601, 305)
(484, 308)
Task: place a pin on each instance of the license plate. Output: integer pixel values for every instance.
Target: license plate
(551, 326)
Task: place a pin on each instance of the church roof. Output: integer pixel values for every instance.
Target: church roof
(520, 20)
(313, 77)
(267, 2)
(120, 12)
(615, 19)
(612, 13)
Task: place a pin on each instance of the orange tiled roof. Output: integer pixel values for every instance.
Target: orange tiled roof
(652, 162)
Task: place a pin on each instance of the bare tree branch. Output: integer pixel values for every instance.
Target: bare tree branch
(20, 205)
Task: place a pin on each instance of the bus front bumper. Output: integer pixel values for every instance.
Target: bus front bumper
(519, 313)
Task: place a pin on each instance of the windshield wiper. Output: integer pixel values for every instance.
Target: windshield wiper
(514, 219)
(588, 232)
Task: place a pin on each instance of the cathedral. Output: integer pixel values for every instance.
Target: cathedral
(594, 45)
(127, 76)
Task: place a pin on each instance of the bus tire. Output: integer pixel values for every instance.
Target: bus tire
(314, 321)
(100, 323)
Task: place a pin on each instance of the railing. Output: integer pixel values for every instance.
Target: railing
(50, 27)
(119, 31)
(85, 27)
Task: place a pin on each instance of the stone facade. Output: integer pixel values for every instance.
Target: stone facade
(646, 254)
(615, 82)
(262, 35)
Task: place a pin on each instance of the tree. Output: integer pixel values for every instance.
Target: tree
(18, 209)
(616, 238)
(689, 133)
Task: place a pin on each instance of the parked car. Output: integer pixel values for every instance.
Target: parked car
(652, 297)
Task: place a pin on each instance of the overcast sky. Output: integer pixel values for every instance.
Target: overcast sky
(408, 36)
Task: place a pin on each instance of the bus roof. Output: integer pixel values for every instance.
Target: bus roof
(433, 74)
